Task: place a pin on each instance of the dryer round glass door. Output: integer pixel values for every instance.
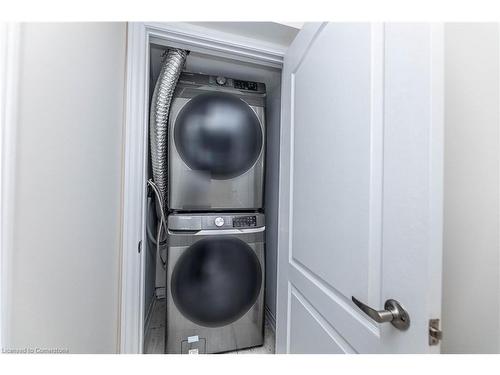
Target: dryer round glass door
(219, 134)
(216, 281)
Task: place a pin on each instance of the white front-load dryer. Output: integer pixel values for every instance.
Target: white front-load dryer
(215, 282)
(216, 144)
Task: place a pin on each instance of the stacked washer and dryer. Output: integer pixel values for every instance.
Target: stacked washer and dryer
(216, 225)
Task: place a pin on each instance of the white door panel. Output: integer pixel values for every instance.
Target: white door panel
(312, 334)
(360, 193)
(337, 168)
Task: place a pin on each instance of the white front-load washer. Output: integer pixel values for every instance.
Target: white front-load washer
(216, 144)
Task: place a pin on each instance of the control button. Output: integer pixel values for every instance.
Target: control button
(221, 80)
(219, 221)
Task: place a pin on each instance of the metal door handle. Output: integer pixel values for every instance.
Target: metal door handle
(394, 313)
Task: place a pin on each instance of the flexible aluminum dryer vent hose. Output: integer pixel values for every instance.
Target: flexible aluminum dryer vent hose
(158, 120)
(172, 64)
(171, 69)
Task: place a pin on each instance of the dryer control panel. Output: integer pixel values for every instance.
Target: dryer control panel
(196, 79)
(236, 83)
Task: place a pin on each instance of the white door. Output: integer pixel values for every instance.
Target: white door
(361, 187)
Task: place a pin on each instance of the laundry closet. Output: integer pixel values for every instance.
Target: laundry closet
(221, 174)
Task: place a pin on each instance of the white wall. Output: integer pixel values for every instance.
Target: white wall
(471, 273)
(66, 254)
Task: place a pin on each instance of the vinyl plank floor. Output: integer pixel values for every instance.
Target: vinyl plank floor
(155, 334)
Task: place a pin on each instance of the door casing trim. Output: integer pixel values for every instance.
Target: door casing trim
(139, 37)
(10, 34)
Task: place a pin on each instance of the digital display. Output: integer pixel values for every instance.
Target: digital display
(245, 85)
(245, 221)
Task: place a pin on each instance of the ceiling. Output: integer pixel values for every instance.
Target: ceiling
(281, 34)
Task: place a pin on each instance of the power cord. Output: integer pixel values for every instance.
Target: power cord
(151, 212)
(163, 222)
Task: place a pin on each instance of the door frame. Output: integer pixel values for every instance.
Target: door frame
(139, 37)
(10, 34)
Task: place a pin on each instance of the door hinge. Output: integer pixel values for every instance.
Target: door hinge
(139, 247)
(435, 333)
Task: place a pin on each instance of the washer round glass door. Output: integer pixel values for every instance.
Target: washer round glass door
(216, 281)
(218, 133)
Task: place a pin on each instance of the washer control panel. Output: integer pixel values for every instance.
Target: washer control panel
(215, 221)
(245, 221)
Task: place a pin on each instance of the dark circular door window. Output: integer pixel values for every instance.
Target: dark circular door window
(218, 133)
(216, 281)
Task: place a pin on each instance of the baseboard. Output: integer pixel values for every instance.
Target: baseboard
(270, 318)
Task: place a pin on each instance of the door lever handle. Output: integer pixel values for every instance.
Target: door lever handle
(394, 313)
